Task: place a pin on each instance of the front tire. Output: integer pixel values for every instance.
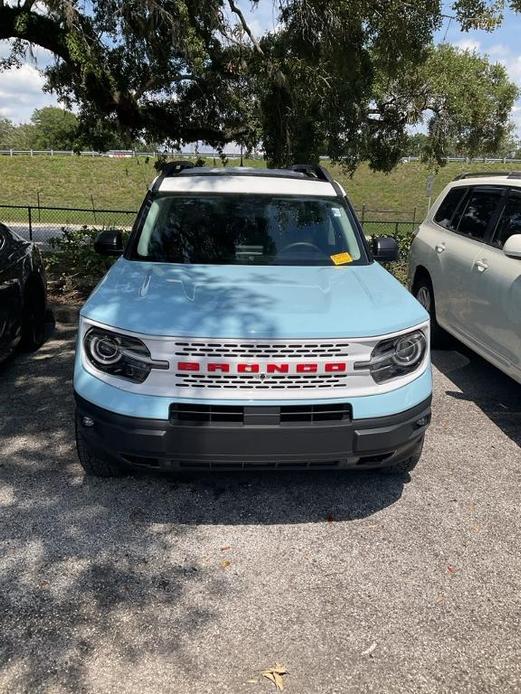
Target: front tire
(94, 463)
(407, 465)
(424, 293)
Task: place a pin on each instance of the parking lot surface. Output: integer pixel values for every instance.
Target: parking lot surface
(352, 582)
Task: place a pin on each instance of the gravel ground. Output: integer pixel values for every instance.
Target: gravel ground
(353, 582)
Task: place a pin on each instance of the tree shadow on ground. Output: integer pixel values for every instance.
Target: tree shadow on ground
(496, 394)
(91, 564)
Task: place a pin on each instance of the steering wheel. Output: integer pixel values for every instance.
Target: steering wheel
(302, 245)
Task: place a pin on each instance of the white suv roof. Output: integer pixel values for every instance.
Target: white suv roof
(488, 178)
(181, 177)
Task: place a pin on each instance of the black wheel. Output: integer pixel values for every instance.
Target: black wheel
(33, 319)
(424, 293)
(406, 465)
(92, 462)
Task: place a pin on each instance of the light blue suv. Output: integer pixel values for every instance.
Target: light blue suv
(248, 326)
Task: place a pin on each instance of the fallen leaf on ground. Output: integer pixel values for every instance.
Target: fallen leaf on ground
(225, 549)
(452, 569)
(275, 675)
(225, 563)
(370, 650)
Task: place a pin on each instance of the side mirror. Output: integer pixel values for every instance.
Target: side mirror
(109, 243)
(512, 246)
(385, 249)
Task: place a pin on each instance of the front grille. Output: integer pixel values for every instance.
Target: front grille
(260, 365)
(260, 349)
(259, 415)
(261, 381)
(206, 414)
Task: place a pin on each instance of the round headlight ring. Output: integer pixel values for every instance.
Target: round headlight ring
(409, 350)
(104, 349)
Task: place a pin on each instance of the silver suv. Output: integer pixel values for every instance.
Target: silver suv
(465, 266)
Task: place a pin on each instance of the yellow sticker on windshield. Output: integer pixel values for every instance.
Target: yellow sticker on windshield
(341, 258)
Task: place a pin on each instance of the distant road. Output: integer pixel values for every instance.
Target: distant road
(42, 232)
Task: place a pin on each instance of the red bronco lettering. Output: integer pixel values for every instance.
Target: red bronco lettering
(267, 367)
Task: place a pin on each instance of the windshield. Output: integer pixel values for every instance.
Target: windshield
(247, 230)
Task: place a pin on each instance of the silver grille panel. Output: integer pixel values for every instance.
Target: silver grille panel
(234, 352)
(260, 349)
(262, 381)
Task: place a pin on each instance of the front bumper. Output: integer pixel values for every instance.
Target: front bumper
(178, 445)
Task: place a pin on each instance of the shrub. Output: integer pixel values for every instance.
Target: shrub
(74, 262)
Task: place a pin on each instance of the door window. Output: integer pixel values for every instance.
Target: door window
(477, 214)
(510, 222)
(448, 207)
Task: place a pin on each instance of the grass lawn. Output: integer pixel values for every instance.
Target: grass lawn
(121, 184)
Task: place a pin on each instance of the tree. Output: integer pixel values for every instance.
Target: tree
(357, 102)
(6, 133)
(346, 77)
(54, 128)
(416, 144)
(23, 137)
(468, 104)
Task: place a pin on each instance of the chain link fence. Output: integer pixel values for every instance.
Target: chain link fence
(40, 224)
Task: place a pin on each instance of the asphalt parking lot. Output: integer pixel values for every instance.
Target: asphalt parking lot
(353, 582)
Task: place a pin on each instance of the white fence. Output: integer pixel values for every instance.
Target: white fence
(116, 154)
(129, 154)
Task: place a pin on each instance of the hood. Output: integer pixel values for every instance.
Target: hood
(239, 301)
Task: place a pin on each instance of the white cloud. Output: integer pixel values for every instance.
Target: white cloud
(21, 91)
(498, 49)
(34, 55)
(468, 45)
(512, 64)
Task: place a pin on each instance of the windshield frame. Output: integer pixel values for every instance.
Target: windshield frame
(131, 252)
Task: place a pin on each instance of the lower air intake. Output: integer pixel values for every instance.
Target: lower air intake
(263, 415)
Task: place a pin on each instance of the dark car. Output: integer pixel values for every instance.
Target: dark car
(23, 294)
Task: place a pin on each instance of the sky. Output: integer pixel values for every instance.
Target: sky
(21, 89)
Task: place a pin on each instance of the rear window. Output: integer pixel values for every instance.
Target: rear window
(448, 207)
(248, 230)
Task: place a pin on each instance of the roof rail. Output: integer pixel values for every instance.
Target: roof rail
(320, 173)
(313, 171)
(171, 168)
(478, 174)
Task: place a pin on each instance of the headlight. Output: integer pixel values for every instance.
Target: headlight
(409, 350)
(120, 355)
(396, 356)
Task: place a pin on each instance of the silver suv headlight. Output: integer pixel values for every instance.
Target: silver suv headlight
(119, 355)
(396, 356)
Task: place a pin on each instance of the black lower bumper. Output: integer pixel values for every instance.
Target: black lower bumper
(227, 446)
